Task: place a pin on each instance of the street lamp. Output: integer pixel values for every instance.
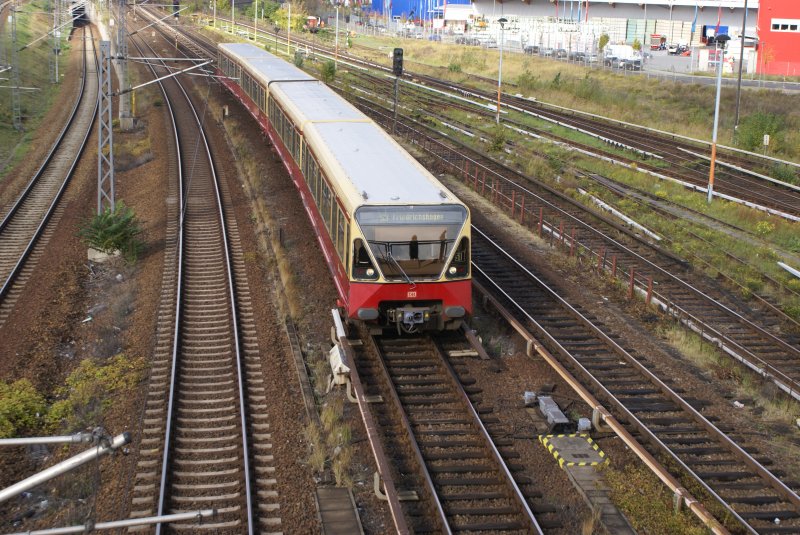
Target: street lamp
(720, 42)
(502, 21)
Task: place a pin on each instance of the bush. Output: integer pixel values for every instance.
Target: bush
(114, 230)
(785, 173)
(750, 134)
(89, 390)
(298, 59)
(20, 408)
(454, 67)
(498, 139)
(328, 71)
(528, 81)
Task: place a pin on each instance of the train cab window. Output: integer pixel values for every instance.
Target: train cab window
(362, 265)
(411, 242)
(459, 267)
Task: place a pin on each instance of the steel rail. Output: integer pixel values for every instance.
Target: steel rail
(722, 438)
(792, 387)
(440, 513)
(678, 490)
(178, 316)
(370, 426)
(569, 111)
(509, 478)
(7, 284)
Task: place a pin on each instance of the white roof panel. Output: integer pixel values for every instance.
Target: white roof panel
(317, 102)
(342, 136)
(263, 64)
(375, 164)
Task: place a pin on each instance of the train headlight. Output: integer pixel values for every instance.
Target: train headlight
(370, 272)
(452, 270)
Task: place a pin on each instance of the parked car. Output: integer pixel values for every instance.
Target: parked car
(532, 49)
(592, 58)
(630, 64)
(435, 37)
(560, 53)
(547, 51)
(672, 49)
(575, 55)
(489, 42)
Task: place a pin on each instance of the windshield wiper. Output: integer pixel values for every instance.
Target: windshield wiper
(396, 263)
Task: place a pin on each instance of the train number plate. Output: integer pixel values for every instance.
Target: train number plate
(411, 295)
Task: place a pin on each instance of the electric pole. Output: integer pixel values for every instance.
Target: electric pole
(741, 63)
(125, 117)
(16, 104)
(55, 41)
(105, 139)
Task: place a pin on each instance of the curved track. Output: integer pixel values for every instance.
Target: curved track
(206, 441)
(702, 304)
(669, 422)
(738, 175)
(29, 220)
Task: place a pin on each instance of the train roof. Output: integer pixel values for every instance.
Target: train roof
(263, 65)
(347, 142)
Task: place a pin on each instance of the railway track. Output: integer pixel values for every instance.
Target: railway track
(454, 474)
(206, 439)
(736, 177)
(28, 223)
(672, 424)
(739, 175)
(752, 494)
(756, 333)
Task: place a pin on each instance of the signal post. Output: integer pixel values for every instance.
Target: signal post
(397, 69)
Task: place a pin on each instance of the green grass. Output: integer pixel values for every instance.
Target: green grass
(685, 109)
(648, 504)
(34, 72)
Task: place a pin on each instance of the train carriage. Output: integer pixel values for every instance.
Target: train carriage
(396, 240)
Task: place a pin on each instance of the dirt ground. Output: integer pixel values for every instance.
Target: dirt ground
(77, 310)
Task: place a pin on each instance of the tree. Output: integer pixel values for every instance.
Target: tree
(604, 39)
(299, 15)
(328, 71)
(223, 6)
(637, 45)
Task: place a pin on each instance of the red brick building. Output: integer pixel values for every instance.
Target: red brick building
(779, 37)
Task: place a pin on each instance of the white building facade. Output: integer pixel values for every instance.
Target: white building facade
(572, 24)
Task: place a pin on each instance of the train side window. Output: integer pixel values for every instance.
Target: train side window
(340, 235)
(326, 206)
(313, 177)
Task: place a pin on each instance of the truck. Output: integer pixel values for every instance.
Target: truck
(658, 41)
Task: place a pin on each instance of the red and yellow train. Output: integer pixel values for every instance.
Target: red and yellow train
(395, 239)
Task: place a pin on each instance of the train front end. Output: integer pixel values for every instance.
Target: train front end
(411, 266)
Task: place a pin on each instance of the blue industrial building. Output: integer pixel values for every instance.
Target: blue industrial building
(424, 10)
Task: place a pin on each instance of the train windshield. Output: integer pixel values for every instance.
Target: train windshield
(411, 242)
